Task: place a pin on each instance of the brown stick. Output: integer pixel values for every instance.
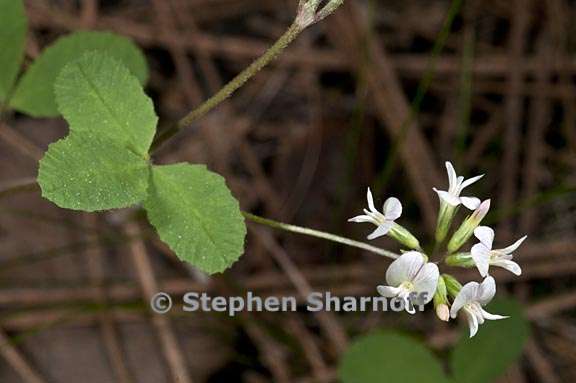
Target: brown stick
(17, 361)
(540, 363)
(149, 286)
(392, 106)
(20, 142)
(333, 329)
(108, 329)
(510, 164)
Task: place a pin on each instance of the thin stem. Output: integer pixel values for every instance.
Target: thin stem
(29, 184)
(291, 33)
(319, 234)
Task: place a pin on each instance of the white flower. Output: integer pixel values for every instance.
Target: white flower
(470, 300)
(411, 274)
(392, 211)
(484, 256)
(455, 186)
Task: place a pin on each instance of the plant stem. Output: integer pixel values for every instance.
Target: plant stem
(291, 33)
(319, 234)
(29, 184)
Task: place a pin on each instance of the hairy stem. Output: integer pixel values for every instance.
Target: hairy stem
(291, 33)
(29, 184)
(319, 234)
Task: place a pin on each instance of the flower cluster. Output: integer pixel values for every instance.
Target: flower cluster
(413, 272)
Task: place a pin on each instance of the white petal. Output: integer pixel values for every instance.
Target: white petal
(381, 230)
(477, 310)
(483, 208)
(409, 307)
(370, 200)
(485, 235)
(361, 218)
(388, 291)
(466, 295)
(472, 323)
(470, 181)
(404, 268)
(392, 208)
(486, 291)
(510, 249)
(489, 316)
(426, 281)
(481, 256)
(471, 203)
(511, 266)
(447, 197)
(452, 178)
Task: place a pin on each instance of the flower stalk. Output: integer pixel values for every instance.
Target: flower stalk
(319, 234)
(308, 14)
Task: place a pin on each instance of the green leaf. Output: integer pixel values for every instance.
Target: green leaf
(498, 344)
(12, 38)
(34, 94)
(196, 215)
(98, 94)
(387, 356)
(90, 173)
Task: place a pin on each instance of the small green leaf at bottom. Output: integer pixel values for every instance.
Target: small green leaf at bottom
(498, 344)
(196, 215)
(387, 356)
(88, 172)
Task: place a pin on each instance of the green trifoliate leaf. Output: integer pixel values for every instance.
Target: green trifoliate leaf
(34, 94)
(498, 344)
(89, 172)
(97, 94)
(196, 215)
(12, 37)
(389, 357)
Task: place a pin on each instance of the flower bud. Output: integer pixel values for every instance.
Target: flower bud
(445, 216)
(441, 300)
(329, 8)
(402, 235)
(309, 14)
(466, 230)
(453, 287)
(443, 312)
(460, 260)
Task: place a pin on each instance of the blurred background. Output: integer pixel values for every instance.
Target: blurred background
(380, 94)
